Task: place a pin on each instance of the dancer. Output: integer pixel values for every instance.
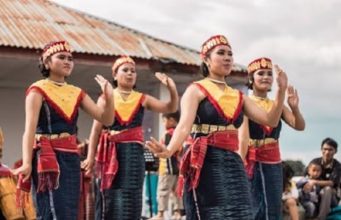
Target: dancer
(50, 151)
(216, 186)
(260, 142)
(120, 160)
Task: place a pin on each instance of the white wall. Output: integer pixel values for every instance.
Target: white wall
(12, 122)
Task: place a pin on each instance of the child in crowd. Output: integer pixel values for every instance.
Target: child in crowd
(168, 173)
(310, 199)
(290, 193)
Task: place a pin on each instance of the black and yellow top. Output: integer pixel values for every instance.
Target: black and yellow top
(219, 110)
(59, 111)
(128, 112)
(260, 132)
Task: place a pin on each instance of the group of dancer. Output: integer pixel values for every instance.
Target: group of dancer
(215, 171)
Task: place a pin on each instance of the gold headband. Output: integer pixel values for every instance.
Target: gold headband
(260, 63)
(120, 61)
(212, 42)
(55, 47)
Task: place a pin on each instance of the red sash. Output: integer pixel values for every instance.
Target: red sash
(193, 159)
(48, 168)
(4, 171)
(106, 159)
(267, 153)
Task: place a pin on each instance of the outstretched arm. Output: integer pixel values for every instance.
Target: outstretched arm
(189, 105)
(160, 106)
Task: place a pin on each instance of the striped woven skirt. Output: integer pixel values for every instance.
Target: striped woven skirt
(223, 191)
(123, 201)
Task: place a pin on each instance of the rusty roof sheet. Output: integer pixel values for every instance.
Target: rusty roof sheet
(33, 23)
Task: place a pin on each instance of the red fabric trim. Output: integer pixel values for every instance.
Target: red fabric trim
(47, 167)
(268, 153)
(193, 159)
(170, 131)
(127, 122)
(85, 190)
(266, 129)
(106, 159)
(217, 107)
(56, 107)
(4, 171)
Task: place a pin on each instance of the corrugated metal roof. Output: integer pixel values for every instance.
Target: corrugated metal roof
(33, 23)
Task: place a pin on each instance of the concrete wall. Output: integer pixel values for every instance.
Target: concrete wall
(12, 122)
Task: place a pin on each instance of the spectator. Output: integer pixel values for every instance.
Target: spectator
(330, 177)
(310, 199)
(168, 173)
(290, 193)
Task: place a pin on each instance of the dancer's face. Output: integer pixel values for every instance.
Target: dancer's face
(220, 60)
(60, 64)
(262, 80)
(126, 75)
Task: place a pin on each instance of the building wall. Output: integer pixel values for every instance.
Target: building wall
(12, 122)
(17, 73)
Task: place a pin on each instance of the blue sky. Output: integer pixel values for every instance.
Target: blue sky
(303, 37)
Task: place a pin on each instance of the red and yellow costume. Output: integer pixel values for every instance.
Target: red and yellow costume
(264, 165)
(56, 165)
(215, 181)
(120, 160)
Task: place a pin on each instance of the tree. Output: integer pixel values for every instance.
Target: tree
(297, 166)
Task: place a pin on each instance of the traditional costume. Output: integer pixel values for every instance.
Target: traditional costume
(264, 165)
(120, 161)
(216, 185)
(56, 163)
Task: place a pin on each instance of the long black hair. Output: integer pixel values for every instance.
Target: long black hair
(288, 173)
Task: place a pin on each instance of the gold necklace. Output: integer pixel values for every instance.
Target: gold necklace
(56, 83)
(124, 92)
(260, 98)
(216, 81)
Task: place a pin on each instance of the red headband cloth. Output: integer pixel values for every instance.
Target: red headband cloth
(120, 61)
(55, 47)
(212, 42)
(260, 63)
